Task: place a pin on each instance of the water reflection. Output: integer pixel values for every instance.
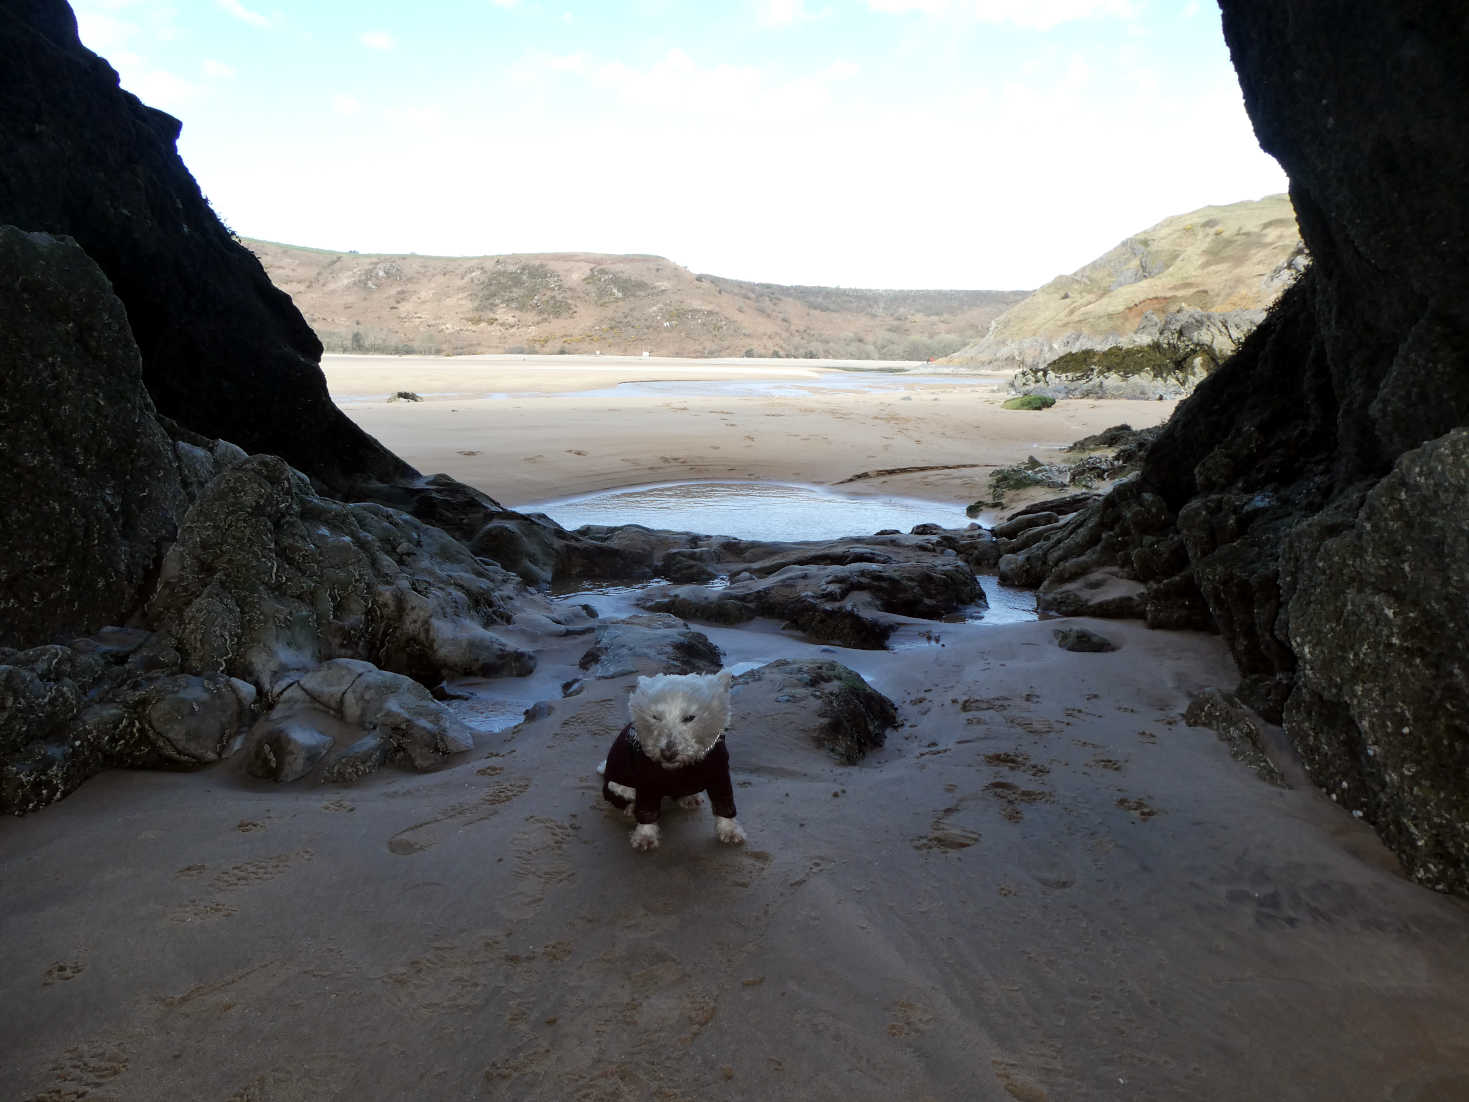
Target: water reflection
(750, 510)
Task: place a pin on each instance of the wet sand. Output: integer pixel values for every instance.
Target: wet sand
(519, 430)
(1045, 886)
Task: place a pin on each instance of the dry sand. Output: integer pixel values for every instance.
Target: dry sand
(1046, 886)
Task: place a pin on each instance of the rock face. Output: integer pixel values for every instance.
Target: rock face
(86, 159)
(1308, 499)
(224, 354)
(84, 526)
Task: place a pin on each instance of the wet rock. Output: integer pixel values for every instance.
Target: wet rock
(1082, 640)
(1104, 593)
(1009, 529)
(267, 575)
(649, 644)
(78, 441)
(286, 749)
(1223, 714)
(362, 698)
(365, 756)
(688, 564)
(813, 701)
(854, 605)
(185, 719)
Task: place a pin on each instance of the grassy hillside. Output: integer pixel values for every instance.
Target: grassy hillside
(1228, 261)
(587, 302)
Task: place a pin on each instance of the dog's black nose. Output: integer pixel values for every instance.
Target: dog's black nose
(669, 752)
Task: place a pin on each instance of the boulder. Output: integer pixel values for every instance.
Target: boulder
(87, 522)
(810, 702)
(1082, 640)
(649, 644)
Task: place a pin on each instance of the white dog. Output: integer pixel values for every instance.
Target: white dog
(673, 747)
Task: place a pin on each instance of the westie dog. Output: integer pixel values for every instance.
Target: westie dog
(673, 747)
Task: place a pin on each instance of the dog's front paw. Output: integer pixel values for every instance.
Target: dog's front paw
(728, 831)
(645, 836)
(689, 803)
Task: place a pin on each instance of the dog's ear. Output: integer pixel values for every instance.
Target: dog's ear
(722, 679)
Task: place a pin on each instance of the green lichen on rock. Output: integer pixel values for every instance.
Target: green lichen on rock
(1029, 401)
(1167, 367)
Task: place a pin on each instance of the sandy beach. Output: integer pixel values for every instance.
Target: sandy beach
(527, 430)
(1045, 886)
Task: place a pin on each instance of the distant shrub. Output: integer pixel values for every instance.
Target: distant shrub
(1029, 401)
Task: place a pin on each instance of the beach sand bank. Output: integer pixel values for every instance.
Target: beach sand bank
(526, 430)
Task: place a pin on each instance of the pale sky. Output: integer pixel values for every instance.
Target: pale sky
(858, 143)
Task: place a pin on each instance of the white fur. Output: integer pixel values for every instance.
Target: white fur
(622, 790)
(679, 717)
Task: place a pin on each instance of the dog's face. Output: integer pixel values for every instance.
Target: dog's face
(679, 717)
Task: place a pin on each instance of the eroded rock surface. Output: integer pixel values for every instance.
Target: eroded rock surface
(85, 525)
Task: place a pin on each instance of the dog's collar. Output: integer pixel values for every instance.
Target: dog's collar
(630, 732)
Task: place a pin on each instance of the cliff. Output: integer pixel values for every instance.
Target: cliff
(1307, 500)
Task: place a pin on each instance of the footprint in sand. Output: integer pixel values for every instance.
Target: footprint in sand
(575, 451)
(539, 863)
(257, 869)
(84, 1068)
(944, 835)
(454, 818)
(64, 970)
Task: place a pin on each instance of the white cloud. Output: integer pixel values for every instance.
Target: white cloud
(218, 69)
(344, 104)
(377, 40)
(244, 14)
(505, 3)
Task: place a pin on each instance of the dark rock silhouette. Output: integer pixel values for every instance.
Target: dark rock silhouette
(1308, 500)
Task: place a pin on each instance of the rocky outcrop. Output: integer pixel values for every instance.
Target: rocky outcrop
(812, 702)
(244, 587)
(1307, 500)
(85, 525)
(223, 352)
(266, 576)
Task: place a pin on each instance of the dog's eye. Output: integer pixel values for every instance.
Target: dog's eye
(690, 718)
